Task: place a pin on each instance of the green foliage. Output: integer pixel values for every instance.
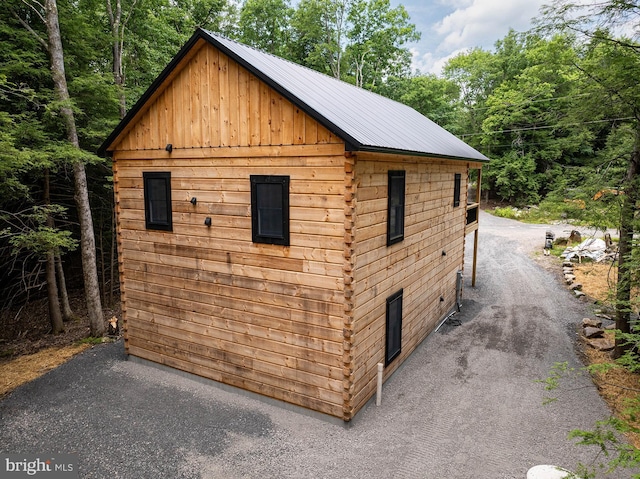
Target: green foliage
(31, 231)
(361, 41)
(607, 434)
(264, 24)
(514, 178)
(434, 97)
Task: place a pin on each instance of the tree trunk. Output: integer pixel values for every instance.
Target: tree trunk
(67, 312)
(118, 26)
(87, 240)
(112, 269)
(625, 264)
(55, 315)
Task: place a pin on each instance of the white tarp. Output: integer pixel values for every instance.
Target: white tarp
(593, 248)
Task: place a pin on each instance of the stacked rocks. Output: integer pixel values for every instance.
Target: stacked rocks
(570, 279)
(594, 335)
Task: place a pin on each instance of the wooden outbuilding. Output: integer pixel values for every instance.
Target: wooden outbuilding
(282, 231)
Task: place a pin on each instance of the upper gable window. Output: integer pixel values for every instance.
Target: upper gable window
(157, 200)
(270, 209)
(395, 214)
(456, 189)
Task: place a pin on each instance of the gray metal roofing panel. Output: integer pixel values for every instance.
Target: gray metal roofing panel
(366, 119)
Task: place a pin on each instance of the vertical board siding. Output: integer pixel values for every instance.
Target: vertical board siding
(416, 264)
(214, 102)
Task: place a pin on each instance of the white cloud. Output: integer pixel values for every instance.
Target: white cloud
(430, 63)
(482, 22)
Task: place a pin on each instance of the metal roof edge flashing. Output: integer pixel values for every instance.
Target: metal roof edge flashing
(397, 151)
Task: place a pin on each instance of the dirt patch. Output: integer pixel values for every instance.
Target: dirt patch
(31, 366)
(597, 280)
(27, 347)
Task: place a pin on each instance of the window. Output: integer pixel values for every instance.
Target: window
(157, 200)
(270, 209)
(456, 189)
(395, 216)
(394, 327)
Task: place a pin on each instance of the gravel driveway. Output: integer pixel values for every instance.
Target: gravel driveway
(464, 405)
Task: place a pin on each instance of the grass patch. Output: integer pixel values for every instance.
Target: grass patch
(92, 341)
(578, 212)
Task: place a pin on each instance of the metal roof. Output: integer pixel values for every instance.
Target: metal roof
(365, 120)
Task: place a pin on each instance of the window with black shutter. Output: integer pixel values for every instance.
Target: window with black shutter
(395, 215)
(157, 200)
(456, 189)
(270, 209)
(393, 327)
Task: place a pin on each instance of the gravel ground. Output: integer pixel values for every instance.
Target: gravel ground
(466, 404)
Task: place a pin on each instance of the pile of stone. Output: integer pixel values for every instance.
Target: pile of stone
(594, 334)
(570, 279)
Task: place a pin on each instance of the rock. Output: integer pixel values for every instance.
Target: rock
(567, 264)
(576, 286)
(578, 293)
(592, 323)
(575, 237)
(591, 332)
(610, 327)
(569, 278)
(601, 344)
(548, 472)
(604, 316)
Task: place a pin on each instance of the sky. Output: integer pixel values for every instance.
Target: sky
(449, 27)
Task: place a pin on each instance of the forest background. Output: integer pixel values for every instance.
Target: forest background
(557, 109)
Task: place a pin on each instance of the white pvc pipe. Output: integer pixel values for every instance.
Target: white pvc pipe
(379, 391)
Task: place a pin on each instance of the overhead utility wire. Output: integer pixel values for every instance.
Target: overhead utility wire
(546, 127)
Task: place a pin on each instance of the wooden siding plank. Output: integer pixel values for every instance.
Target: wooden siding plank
(255, 135)
(173, 358)
(265, 114)
(233, 103)
(243, 108)
(224, 100)
(214, 98)
(244, 290)
(266, 151)
(320, 350)
(205, 96)
(195, 98)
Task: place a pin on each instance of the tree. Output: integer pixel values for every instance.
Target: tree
(436, 98)
(475, 73)
(609, 69)
(264, 24)
(48, 13)
(376, 37)
(318, 35)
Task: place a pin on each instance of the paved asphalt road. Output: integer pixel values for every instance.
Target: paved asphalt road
(464, 405)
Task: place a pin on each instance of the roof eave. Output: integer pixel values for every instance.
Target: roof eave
(399, 151)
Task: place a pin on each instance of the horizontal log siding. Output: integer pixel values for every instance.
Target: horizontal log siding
(265, 318)
(210, 101)
(432, 225)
